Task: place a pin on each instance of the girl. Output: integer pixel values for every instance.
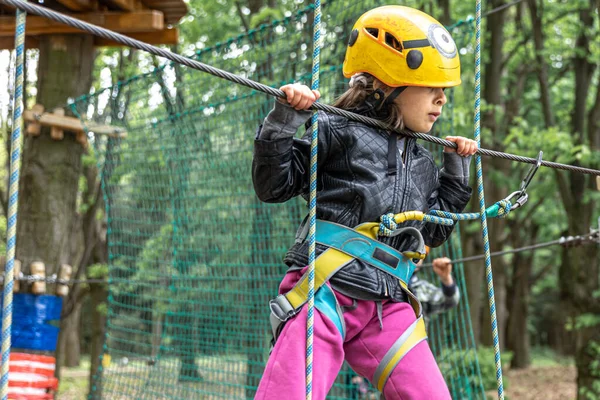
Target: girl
(399, 60)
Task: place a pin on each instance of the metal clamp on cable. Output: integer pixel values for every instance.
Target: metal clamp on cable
(521, 194)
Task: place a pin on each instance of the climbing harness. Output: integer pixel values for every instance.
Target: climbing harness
(346, 244)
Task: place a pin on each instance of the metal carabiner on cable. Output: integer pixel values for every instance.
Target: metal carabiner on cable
(521, 194)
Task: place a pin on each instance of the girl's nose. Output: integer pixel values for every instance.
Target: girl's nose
(440, 98)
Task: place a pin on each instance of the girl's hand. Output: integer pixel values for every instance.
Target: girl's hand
(465, 147)
(300, 97)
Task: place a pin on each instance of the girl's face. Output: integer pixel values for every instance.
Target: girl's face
(421, 107)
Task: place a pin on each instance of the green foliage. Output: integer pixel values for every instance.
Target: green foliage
(488, 366)
(97, 271)
(265, 15)
(592, 391)
(546, 357)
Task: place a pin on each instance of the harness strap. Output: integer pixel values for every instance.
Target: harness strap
(346, 244)
(413, 335)
(361, 243)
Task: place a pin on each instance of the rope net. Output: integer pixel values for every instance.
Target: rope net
(194, 256)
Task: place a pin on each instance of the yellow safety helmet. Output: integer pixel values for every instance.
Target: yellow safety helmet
(402, 46)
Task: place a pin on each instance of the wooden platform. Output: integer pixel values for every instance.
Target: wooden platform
(151, 21)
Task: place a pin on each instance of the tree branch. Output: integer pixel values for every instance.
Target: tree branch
(540, 274)
(242, 17)
(513, 51)
(90, 242)
(563, 14)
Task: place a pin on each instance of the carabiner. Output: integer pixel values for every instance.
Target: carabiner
(525, 182)
(521, 194)
(522, 198)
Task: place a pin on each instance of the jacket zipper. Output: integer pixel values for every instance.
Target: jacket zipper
(405, 164)
(398, 171)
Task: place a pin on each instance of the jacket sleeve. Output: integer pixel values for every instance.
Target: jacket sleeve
(281, 162)
(451, 193)
(436, 300)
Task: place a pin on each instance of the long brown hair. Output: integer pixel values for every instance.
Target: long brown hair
(363, 85)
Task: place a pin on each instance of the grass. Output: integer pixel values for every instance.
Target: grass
(73, 384)
(545, 357)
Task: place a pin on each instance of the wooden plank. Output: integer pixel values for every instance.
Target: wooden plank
(174, 10)
(34, 128)
(138, 21)
(167, 36)
(79, 5)
(72, 124)
(127, 5)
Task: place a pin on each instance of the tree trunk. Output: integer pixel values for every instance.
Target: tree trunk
(51, 169)
(517, 336)
(68, 340)
(474, 278)
(99, 295)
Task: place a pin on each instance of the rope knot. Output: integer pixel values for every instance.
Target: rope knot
(504, 207)
(388, 225)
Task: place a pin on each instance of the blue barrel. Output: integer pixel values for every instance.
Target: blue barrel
(36, 321)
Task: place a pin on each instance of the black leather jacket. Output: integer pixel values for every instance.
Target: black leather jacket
(356, 184)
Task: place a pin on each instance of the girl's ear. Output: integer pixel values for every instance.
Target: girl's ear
(377, 84)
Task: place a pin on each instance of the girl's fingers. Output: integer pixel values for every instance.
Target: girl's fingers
(461, 146)
(304, 103)
(290, 94)
(300, 97)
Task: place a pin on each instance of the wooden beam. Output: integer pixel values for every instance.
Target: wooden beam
(167, 36)
(138, 21)
(127, 5)
(72, 124)
(79, 5)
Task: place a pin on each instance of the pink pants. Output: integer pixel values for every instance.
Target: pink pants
(417, 376)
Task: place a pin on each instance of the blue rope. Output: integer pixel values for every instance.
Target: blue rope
(483, 214)
(13, 197)
(313, 206)
(501, 209)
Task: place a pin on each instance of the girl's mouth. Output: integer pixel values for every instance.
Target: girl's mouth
(434, 116)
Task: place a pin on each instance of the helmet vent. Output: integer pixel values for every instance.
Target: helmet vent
(391, 41)
(373, 32)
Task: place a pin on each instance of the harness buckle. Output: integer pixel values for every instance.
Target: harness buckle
(521, 194)
(281, 308)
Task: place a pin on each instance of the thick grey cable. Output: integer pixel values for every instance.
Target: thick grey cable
(137, 44)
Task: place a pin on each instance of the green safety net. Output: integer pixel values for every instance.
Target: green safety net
(194, 256)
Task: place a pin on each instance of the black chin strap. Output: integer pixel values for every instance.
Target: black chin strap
(395, 93)
(393, 139)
